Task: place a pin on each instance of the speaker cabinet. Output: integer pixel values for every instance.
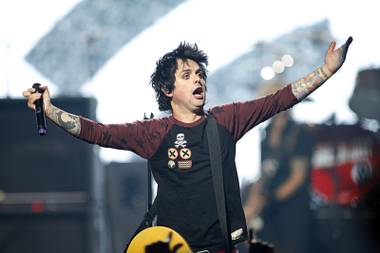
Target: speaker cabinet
(127, 195)
(55, 162)
(45, 181)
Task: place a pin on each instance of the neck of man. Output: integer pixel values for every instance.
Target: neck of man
(187, 116)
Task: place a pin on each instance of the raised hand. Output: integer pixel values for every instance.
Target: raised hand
(32, 95)
(69, 122)
(335, 58)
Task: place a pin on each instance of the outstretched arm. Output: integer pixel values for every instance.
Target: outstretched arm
(334, 59)
(65, 120)
(68, 122)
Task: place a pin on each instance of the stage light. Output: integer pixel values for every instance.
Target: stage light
(287, 60)
(267, 73)
(278, 67)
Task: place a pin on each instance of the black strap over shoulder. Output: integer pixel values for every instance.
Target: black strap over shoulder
(218, 181)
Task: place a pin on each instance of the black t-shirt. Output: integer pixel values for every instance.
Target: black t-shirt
(179, 156)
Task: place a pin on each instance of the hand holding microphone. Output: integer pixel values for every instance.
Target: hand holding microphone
(39, 111)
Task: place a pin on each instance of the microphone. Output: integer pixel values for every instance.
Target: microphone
(40, 114)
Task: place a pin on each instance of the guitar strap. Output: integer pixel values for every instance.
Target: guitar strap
(217, 176)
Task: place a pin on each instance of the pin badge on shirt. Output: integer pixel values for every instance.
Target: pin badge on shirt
(171, 164)
(180, 141)
(172, 153)
(185, 153)
(185, 164)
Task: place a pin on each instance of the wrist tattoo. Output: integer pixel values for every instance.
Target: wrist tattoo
(67, 121)
(306, 85)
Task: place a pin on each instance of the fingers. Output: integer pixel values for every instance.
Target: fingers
(28, 92)
(332, 47)
(31, 96)
(45, 92)
(345, 45)
(32, 99)
(32, 90)
(44, 88)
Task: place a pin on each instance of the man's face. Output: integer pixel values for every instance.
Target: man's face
(189, 93)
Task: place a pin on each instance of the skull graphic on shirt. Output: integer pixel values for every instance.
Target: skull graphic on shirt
(180, 141)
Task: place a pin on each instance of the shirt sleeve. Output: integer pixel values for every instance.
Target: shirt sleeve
(140, 137)
(241, 117)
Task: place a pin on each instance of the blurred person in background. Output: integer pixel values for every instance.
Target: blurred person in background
(277, 206)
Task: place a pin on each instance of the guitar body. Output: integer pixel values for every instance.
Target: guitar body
(158, 239)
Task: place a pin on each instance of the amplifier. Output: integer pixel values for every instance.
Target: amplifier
(24, 203)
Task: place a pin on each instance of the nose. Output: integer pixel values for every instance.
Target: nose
(198, 80)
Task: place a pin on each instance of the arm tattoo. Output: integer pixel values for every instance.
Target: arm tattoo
(69, 122)
(306, 85)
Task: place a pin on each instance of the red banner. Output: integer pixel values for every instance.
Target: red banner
(345, 164)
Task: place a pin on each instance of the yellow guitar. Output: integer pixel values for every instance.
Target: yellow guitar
(158, 239)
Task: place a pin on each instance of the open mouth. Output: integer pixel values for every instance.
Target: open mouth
(198, 93)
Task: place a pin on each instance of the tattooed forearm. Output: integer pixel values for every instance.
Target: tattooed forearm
(306, 85)
(334, 59)
(67, 121)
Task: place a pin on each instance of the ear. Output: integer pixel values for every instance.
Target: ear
(167, 92)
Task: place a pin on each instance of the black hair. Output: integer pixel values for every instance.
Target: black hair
(164, 75)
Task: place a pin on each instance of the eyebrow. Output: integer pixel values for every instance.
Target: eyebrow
(199, 70)
(185, 71)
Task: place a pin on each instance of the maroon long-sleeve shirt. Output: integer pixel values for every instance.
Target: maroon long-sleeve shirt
(179, 155)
